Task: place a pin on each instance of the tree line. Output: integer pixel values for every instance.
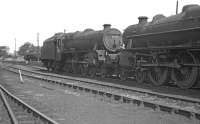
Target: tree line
(26, 49)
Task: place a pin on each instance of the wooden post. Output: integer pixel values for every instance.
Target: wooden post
(20, 76)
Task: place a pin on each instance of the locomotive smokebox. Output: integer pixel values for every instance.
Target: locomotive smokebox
(142, 19)
(106, 26)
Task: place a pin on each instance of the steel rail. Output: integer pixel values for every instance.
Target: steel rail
(10, 112)
(189, 112)
(92, 81)
(34, 112)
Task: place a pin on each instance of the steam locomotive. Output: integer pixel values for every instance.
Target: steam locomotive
(163, 50)
(86, 53)
(167, 49)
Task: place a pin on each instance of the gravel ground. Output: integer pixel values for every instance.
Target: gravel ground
(74, 107)
(192, 93)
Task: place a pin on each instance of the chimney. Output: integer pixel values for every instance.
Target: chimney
(106, 26)
(142, 19)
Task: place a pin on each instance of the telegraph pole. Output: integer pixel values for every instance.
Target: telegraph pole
(177, 7)
(38, 46)
(15, 49)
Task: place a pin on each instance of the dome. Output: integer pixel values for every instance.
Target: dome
(158, 17)
(88, 29)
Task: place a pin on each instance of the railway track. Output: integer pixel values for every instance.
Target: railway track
(188, 107)
(20, 112)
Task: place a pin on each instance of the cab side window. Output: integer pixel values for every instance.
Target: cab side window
(59, 43)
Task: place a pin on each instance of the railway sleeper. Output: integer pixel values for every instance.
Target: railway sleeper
(149, 104)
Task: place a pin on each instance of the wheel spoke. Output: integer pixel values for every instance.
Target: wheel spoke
(140, 76)
(185, 77)
(158, 76)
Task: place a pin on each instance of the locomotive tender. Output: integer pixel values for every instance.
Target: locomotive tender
(165, 49)
(84, 53)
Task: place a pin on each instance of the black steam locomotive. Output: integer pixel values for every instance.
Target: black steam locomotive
(167, 49)
(86, 53)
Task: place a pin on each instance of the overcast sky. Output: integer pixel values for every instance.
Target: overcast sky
(22, 19)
